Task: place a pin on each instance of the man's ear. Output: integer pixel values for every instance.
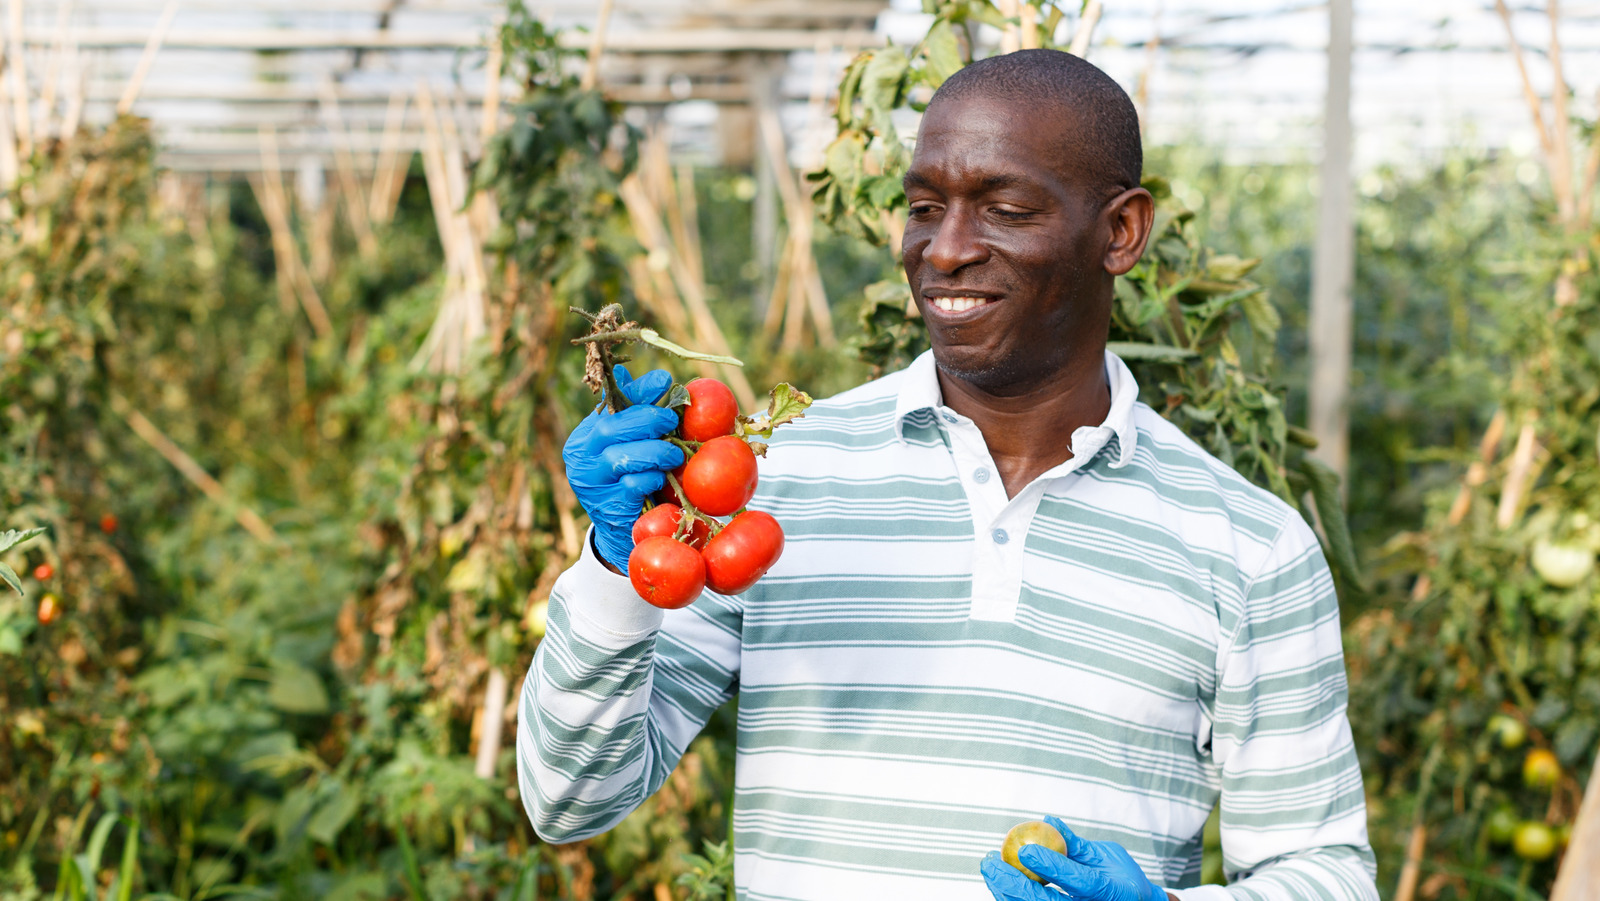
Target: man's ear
(1131, 214)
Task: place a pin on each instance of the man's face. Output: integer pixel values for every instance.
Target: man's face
(1006, 247)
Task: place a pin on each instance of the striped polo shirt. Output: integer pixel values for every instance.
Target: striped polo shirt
(1136, 634)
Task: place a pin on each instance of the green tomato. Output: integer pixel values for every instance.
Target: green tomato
(1503, 823)
(1562, 565)
(1508, 730)
(1032, 832)
(1541, 769)
(1534, 841)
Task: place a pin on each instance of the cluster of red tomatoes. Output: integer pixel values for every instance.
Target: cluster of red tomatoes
(680, 547)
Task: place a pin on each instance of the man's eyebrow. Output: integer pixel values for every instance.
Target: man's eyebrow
(988, 183)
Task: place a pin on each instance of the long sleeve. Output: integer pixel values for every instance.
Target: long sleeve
(1294, 824)
(617, 690)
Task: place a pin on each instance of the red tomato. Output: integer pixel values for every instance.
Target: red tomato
(711, 413)
(742, 552)
(721, 476)
(43, 572)
(666, 573)
(108, 523)
(49, 609)
(663, 519)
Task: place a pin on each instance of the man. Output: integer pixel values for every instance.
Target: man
(1009, 588)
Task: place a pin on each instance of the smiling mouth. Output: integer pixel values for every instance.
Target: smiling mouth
(947, 304)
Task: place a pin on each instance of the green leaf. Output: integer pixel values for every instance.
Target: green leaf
(788, 404)
(943, 53)
(130, 862)
(10, 576)
(654, 339)
(13, 537)
(1340, 549)
(295, 689)
(1155, 353)
(334, 813)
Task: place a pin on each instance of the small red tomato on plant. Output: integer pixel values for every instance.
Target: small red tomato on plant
(721, 476)
(739, 555)
(711, 413)
(666, 573)
(43, 572)
(663, 520)
(49, 609)
(108, 523)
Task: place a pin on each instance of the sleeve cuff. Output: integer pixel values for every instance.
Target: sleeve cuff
(603, 604)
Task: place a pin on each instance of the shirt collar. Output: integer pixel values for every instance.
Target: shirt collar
(919, 390)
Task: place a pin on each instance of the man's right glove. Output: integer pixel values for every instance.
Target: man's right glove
(615, 461)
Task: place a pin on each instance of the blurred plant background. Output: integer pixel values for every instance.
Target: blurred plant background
(300, 519)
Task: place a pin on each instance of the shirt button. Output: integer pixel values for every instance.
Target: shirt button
(1000, 536)
(950, 418)
(980, 475)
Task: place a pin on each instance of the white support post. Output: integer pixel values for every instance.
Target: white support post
(1333, 257)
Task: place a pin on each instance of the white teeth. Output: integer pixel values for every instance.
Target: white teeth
(957, 304)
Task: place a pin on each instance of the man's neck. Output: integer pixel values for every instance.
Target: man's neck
(1030, 432)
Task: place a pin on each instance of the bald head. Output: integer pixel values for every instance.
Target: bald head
(1097, 124)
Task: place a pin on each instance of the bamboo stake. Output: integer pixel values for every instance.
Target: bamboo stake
(385, 170)
(75, 97)
(146, 59)
(778, 302)
(287, 298)
(1517, 476)
(1029, 26)
(1535, 106)
(21, 117)
(794, 320)
(689, 214)
(349, 186)
(1412, 868)
(1591, 171)
(797, 208)
(597, 47)
(1478, 472)
(1010, 36)
(491, 95)
(1086, 24)
(1561, 125)
(194, 472)
(52, 77)
(1579, 876)
(10, 165)
(494, 715)
(276, 209)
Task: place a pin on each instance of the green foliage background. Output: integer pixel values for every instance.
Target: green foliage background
(217, 716)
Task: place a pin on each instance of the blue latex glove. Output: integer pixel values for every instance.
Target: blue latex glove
(616, 461)
(1089, 871)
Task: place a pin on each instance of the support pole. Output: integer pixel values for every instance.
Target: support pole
(1333, 258)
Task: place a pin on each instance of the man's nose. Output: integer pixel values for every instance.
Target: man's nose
(957, 242)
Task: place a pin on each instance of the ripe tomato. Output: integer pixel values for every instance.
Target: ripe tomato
(1534, 841)
(108, 523)
(711, 413)
(663, 519)
(742, 552)
(49, 609)
(721, 476)
(1033, 832)
(666, 573)
(43, 572)
(1540, 769)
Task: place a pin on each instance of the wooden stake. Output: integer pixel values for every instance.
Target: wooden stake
(1535, 106)
(597, 47)
(194, 472)
(387, 173)
(349, 186)
(1010, 35)
(1478, 472)
(10, 166)
(1561, 126)
(1517, 476)
(1085, 31)
(797, 209)
(52, 77)
(1412, 868)
(21, 116)
(1579, 876)
(494, 716)
(1029, 26)
(275, 206)
(491, 94)
(146, 59)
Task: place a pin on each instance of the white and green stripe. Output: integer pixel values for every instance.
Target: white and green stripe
(1150, 632)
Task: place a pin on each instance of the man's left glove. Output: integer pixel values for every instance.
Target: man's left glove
(1089, 871)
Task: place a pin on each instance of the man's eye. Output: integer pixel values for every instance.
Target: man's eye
(1013, 215)
(921, 209)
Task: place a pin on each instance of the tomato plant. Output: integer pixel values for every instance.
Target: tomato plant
(712, 411)
(721, 476)
(667, 573)
(739, 555)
